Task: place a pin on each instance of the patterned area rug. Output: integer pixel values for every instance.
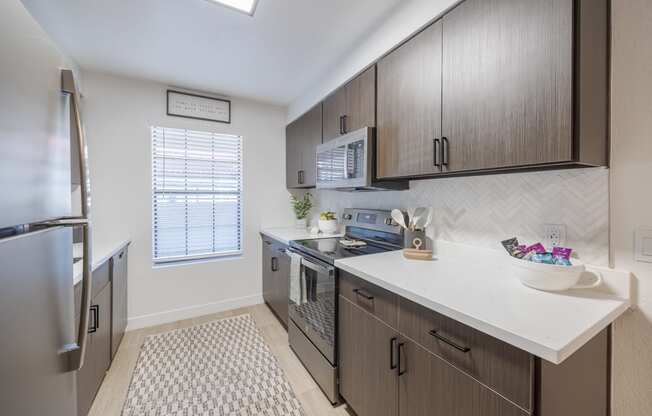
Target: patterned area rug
(220, 368)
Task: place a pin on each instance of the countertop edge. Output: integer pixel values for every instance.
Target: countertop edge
(280, 234)
(555, 356)
(97, 262)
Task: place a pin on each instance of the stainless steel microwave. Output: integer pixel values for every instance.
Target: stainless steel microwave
(347, 163)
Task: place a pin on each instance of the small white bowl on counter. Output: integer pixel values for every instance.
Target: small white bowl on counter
(552, 277)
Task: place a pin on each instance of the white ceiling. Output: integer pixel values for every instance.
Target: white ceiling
(274, 56)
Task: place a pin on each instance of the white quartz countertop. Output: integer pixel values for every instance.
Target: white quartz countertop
(477, 287)
(101, 254)
(287, 234)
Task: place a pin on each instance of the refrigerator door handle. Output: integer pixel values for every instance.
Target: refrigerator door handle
(77, 354)
(77, 351)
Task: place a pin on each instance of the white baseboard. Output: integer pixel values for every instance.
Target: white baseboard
(194, 311)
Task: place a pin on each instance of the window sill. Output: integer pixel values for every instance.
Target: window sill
(193, 261)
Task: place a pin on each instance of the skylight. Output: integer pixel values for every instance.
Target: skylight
(245, 6)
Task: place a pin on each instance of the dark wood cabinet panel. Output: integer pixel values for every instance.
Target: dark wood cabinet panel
(379, 302)
(276, 277)
(102, 335)
(351, 107)
(302, 138)
(504, 368)
(98, 350)
(361, 101)
(282, 284)
(268, 275)
(409, 106)
(293, 153)
(119, 282)
(507, 83)
(334, 109)
(580, 385)
(430, 386)
(368, 374)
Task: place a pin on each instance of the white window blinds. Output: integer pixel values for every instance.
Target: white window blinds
(197, 194)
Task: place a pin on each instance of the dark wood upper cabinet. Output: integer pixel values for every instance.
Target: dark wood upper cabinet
(351, 107)
(507, 83)
(495, 85)
(302, 137)
(367, 361)
(409, 106)
(334, 109)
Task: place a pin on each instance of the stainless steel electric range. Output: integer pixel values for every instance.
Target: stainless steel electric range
(313, 288)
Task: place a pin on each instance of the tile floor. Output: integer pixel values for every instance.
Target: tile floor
(113, 391)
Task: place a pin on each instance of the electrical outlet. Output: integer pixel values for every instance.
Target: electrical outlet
(554, 235)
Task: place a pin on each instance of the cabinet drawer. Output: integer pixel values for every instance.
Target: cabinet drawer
(504, 368)
(373, 299)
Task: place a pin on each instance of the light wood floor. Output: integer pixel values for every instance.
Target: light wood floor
(113, 391)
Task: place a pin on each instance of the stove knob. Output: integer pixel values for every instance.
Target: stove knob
(347, 217)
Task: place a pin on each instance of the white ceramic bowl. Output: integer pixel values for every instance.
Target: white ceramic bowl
(551, 277)
(328, 226)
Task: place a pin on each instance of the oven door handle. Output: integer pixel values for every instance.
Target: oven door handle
(316, 267)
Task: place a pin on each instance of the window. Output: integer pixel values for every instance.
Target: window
(196, 194)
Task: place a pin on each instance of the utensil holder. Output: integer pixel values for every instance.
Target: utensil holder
(409, 236)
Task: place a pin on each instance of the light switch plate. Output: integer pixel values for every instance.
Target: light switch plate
(643, 244)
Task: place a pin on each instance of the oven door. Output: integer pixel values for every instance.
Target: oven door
(313, 304)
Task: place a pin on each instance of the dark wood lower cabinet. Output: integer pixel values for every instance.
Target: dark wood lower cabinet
(106, 327)
(276, 277)
(98, 352)
(427, 364)
(368, 362)
(118, 299)
(429, 386)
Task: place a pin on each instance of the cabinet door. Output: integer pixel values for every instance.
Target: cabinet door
(98, 351)
(367, 358)
(302, 138)
(361, 102)
(430, 386)
(311, 123)
(334, 109)
(102, 336)
(118, 299)
(86, 378)
(293, 155)
(268, 275)
(507, 83)
(282, 284)
(409, 106)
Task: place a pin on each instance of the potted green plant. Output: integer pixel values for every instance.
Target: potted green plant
(302, 207)
(328, 222)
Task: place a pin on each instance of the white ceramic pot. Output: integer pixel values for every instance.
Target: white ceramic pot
(328, 226)
(552, 277)
(301, 224)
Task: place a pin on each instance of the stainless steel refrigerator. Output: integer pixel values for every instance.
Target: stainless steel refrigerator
(41, 347)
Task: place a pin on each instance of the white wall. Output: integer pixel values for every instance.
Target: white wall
(405, 20)
(631, 133)
(118, 113)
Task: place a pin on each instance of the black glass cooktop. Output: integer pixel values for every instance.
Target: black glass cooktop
(330, 249)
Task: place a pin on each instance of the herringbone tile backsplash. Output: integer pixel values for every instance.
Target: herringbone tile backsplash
(483, 210)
